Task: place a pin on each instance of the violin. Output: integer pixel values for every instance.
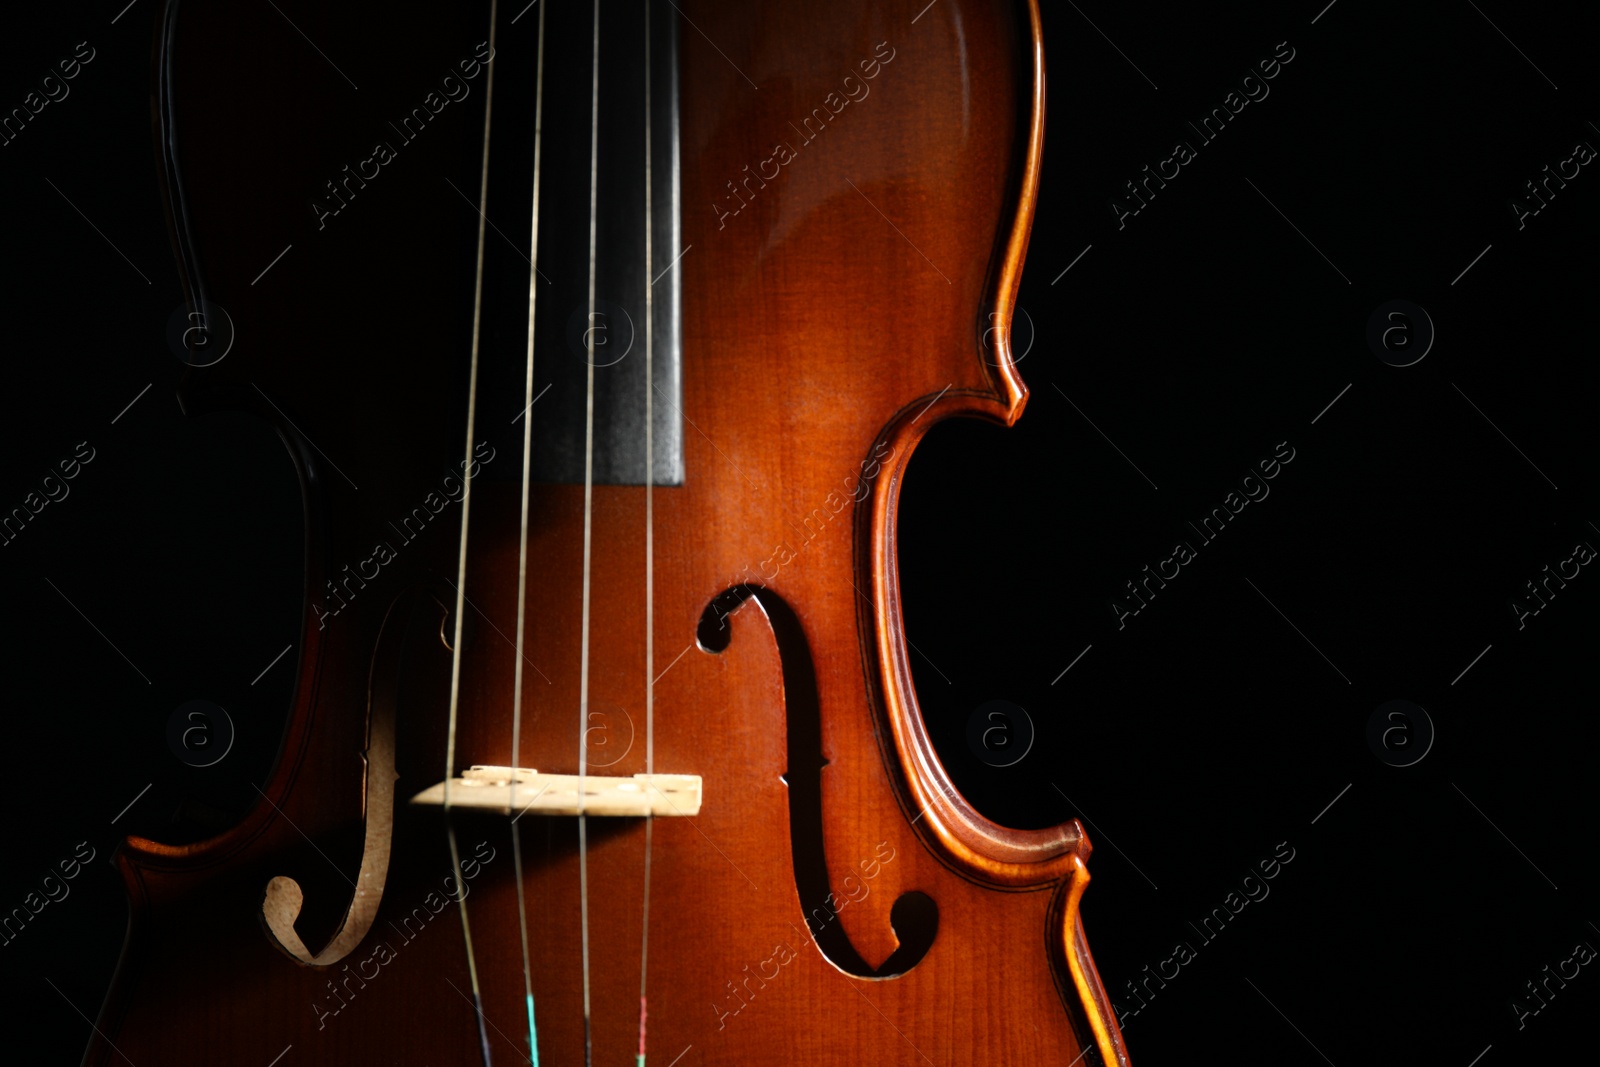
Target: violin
(601, 334)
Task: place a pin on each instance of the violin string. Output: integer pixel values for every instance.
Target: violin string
(588, 516)
(649, 531)
(461, 560)
(522, 552)
(466, 932)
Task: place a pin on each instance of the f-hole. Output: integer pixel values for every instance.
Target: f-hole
(283, 898)
(914, 916)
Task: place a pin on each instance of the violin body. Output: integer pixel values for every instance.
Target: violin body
(835, 900)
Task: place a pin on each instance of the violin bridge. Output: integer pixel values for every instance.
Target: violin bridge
(490, 789)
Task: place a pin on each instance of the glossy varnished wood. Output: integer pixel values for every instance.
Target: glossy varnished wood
(852, 302)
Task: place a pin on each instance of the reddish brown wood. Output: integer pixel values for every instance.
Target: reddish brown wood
(835, 319)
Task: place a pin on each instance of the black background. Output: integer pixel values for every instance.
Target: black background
(1219, 722)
